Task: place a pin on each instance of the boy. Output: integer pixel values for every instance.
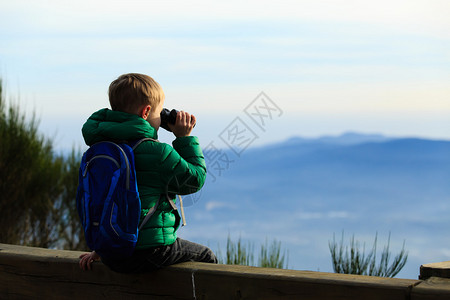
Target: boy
(137, 101)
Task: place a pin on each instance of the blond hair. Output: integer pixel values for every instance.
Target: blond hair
(130, 92)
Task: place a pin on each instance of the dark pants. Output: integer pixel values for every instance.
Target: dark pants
(147, 260)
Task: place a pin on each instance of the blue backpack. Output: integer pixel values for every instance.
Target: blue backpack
(108, 200)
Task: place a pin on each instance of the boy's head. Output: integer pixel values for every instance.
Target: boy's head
(131, 92)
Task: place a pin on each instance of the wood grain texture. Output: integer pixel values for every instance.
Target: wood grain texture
(440, 269)
(434, 288)
(35, 273)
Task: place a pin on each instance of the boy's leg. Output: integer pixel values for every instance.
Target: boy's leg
(183, 250)
(141, 261)
(154, 258)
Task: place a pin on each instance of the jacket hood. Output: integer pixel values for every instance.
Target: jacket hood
(109, 125)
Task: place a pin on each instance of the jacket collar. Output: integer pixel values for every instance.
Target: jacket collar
(117, 126)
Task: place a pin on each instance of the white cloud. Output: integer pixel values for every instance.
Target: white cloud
(407, 97)
(417, 16)
(323, 215)
(212, 205)
(321, 60)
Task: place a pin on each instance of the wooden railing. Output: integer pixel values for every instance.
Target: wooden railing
(36, 273)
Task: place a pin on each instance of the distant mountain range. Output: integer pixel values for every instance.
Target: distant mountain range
(303, 191)
(349, 138)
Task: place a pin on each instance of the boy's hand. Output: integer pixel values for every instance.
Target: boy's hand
(86, 260)
(183, 124)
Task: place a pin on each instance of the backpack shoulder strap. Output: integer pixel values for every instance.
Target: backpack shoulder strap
(138, 142)
(149, 213)
(153, 209)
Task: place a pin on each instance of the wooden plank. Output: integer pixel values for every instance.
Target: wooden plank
(440, 269)
(241, 282)
(53, 274)
(432, 288)
(33, 273)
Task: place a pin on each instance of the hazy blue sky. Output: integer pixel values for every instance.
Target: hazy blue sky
(330, 66)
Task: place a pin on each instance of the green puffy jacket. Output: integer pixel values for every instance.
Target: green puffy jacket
(159, 169)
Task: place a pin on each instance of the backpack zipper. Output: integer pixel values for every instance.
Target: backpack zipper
(110, 219)
(100, 156)
(128, 166)
(126, 162)
(127, 186)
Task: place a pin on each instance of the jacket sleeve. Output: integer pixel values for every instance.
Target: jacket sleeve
(184, 165)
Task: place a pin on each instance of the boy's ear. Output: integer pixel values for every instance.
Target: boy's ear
(145, 111)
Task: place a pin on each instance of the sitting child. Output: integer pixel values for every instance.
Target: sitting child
(137, 101)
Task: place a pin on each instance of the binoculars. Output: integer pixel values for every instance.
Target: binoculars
(168, 117)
